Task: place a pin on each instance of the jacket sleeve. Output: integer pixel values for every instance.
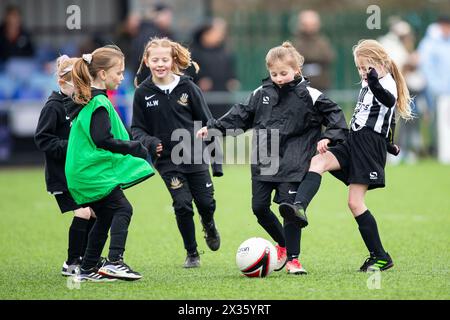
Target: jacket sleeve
(100, 130)
(391, 147)
(216, 153)
(240, 116)
(45, 137)
(201, 112)
(200, 108)
(382, 95)
(139, 128)
(333, 119)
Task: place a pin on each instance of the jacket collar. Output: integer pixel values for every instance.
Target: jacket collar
(96, 92)
(73, 109)
(294, 83)
(149, 84)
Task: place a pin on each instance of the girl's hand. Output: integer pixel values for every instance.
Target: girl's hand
(322, 145)
(372, 74)
(159, 149)
(202, 133)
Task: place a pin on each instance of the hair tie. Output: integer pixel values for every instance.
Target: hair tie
(65, 71)
(87, 57)
(63, 58)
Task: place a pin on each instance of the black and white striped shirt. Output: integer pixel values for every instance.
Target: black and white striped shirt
(375, 108)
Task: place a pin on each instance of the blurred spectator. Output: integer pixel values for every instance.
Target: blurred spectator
(435, 64)
(434, 55)
(128, 30)
(92, 42)
(5, 136)
(15, 41)
(399, 42)
(158, 24)
(217, 71)
(316, 49)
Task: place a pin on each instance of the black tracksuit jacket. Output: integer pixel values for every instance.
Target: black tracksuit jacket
(298, 112)
(51, 137)
(157, 114)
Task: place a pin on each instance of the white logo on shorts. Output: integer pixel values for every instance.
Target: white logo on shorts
(373, 175)
(292, 192)
(208, 185)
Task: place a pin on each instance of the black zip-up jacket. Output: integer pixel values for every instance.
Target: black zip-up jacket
(156, 115)
(51, 136)
(298, 112)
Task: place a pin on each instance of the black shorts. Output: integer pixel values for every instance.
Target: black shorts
(362, 158)
(66, 202)
(262, 191)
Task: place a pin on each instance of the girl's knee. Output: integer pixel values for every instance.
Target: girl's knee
(318, 164)
(261, 211)
(207, 205)
(83, 213)
(356, 206)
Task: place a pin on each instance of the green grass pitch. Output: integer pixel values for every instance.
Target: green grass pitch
(413, 215)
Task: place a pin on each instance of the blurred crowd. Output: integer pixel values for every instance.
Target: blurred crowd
(26, 69)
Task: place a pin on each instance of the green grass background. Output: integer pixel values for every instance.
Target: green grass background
(413, 215)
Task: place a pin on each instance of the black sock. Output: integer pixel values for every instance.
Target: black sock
(274, 229)
(369, 232)
(293, 236)
(308, 188)
(186, 227)
(77, 232)
(97, 239)
(118, 235)
(89, 226)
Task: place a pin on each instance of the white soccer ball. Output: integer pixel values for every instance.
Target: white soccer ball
(256, 257)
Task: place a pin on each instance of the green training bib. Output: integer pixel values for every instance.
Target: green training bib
(91, 172)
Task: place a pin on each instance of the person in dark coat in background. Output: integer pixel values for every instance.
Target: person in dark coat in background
(217, 71)
(126, 33)
(158, 24)
(318, 53)
(15, 41)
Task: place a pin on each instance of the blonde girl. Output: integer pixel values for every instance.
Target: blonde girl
(359, 162)
(51, 137)
(165, 102)
(101, 162)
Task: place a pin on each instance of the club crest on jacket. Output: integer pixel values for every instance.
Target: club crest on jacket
(183, 99)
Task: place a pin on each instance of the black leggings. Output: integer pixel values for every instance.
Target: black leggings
(113, 212)
(185, 188)
(286, 235)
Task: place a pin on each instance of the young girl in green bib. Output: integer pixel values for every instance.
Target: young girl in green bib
(102, 161)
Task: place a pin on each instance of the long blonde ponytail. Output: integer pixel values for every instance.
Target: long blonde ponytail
(403, 97)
